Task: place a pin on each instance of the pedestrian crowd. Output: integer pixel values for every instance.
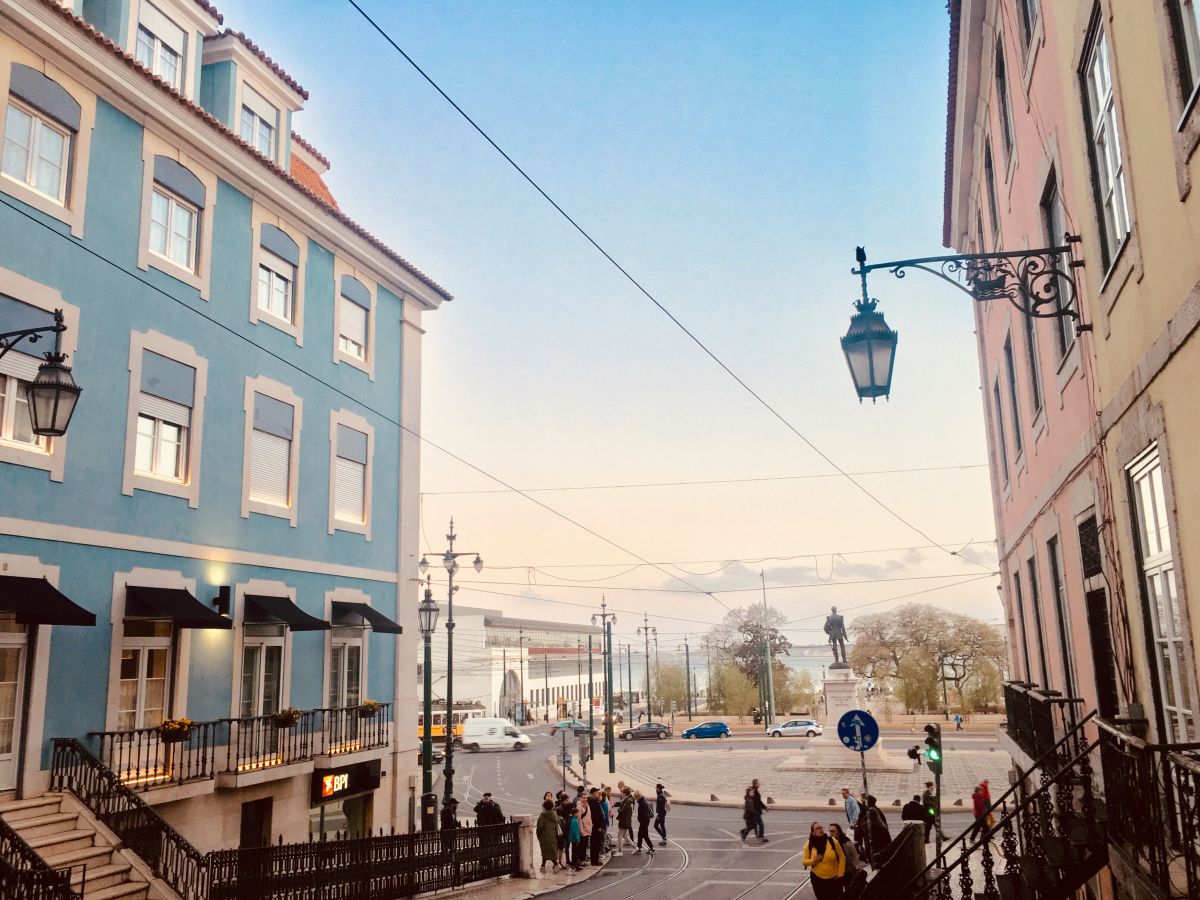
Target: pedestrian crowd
(576, 832)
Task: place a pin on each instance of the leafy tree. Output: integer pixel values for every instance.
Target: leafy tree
(795, 691)
(744, 632)
(917, 685)
(732, 692)
(671, 685)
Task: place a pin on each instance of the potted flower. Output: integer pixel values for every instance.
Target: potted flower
(368, 708)
(172, 731)
(286, 717)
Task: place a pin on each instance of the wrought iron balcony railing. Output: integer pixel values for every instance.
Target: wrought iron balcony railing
(1162, 783)
(143, 758)
(1037, 719)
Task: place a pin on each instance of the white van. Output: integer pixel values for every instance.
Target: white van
(492, 734)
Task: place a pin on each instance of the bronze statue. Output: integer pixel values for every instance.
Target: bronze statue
(835, 627)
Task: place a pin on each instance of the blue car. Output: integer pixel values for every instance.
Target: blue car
(707, 730)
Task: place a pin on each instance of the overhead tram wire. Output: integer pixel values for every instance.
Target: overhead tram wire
(637, 284)
(357, 401)
(742, 590)
(763, 478)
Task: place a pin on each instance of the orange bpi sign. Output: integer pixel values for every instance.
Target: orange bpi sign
(346, 781)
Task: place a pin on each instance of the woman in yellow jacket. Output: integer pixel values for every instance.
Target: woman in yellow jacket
(824, 857)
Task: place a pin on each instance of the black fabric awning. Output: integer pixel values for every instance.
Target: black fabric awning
(37, 602)
(260, 608)
(362, 614)
(172, 603)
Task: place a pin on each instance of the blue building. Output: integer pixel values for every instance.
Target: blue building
(227, 533)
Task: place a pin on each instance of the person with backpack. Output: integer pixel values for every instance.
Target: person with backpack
(826, 860)
(877, 830)
(662, 806)
(643, 817)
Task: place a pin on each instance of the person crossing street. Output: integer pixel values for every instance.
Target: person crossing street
(662, 806)
(643, 817)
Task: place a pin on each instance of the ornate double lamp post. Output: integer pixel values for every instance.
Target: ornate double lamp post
(450, 562)
(1038, 283)
(427, 614)
(53, 393)
(608, 620)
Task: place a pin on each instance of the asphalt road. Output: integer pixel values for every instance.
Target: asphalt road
(705, 858)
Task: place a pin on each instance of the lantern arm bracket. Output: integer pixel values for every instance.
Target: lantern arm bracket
(1039, 283)
(9, 339)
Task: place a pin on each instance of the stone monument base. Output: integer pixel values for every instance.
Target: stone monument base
(841, 695)
(827, 754)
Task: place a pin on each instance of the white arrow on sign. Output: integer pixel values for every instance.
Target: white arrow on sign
(857, 724)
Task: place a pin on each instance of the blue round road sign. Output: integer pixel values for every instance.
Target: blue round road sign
(858, 730)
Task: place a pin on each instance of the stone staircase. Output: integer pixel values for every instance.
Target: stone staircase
(64, 835)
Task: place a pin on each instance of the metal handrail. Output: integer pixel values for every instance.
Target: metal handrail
(999, 803)
(143, 758)
(98, 788)
(348, 729)
(34, 877)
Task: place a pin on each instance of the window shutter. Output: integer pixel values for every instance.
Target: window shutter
(162, 27)
(270, 461)
(260, 106)
(158, 408)
(353, 321)
(20, 365)
(273, 416)
(348, 491)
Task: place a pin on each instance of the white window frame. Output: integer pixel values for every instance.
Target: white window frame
(261, 113)
(52, 457)
(144, 645)
(179, 660)
(358, 423)
(70, 209)
(1106, 146)
(277, 271)
(263, 257)
(281, 392)
(342, 634)
(164, 32)
(366, 364)
(176, 206)
(157, 441)
(39, 124)
(199, 275)
(1163, 597)
(241, 638)
(13, 405)
(188, 487)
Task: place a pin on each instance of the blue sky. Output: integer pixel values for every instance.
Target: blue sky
(731, 156)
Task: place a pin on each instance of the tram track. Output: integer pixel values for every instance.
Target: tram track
(607, 889)
(773, 873)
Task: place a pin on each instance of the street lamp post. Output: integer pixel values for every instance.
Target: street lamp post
(1038, 283)
(608, 619)
(687, 669)
(628, 678)
(427, 614)
(645, 630)
(657, 673)
(53, 393)
(450, 563)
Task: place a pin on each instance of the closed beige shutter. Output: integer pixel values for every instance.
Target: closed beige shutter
(270, 463)
(348, 490)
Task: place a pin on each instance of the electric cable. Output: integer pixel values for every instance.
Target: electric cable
(629, 277)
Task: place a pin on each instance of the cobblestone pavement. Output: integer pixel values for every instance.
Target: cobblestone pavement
(695, 774)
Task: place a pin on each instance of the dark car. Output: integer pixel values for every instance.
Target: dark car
(647, 731)
(617, 718)
(439, 753)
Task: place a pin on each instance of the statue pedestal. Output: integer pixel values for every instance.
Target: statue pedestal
(841, 695)
(827, 752)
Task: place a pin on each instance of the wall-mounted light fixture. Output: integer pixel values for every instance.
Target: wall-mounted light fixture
(222, 602)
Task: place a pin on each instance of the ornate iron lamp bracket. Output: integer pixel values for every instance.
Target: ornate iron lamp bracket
(10, 339)
(1038, 283)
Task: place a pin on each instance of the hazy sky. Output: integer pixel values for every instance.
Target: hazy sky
(731, 156)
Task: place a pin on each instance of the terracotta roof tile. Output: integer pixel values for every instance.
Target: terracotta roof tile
(261, 54)
(313, 183)
(311, 149)
(211, 10)
(104, 41)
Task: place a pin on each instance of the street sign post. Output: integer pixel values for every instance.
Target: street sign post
(858, 731)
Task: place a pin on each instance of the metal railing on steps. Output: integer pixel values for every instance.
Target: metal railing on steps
(26, 875)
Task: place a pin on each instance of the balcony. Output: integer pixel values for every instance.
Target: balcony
(233, 753)
(1154, 845)
(1036, 721)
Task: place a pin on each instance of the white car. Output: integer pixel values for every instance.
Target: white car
(795, 727)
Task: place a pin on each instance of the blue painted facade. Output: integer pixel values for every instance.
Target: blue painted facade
(74, 522)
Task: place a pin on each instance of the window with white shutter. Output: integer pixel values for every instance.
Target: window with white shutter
(168, 390)
(354, 306)
(271, 451)
(350, 475)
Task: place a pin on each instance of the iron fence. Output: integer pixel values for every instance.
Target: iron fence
(1161, 782)
(370, 868)
(142, 759)
(1037, 718)
(24, 874)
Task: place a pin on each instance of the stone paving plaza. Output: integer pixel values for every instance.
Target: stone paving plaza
(694, 774)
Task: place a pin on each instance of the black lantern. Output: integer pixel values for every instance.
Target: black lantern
(427, 613)
(52, 396)
(870, 348)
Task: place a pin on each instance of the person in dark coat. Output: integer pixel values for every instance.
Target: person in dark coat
(599, 825)
(488, 812)
(547, 834)
(643, 816)
(877, 830)
(625, 819)
(759, 809)
(913, 811)
(929, 803)
(749, 813)
(661, 807)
